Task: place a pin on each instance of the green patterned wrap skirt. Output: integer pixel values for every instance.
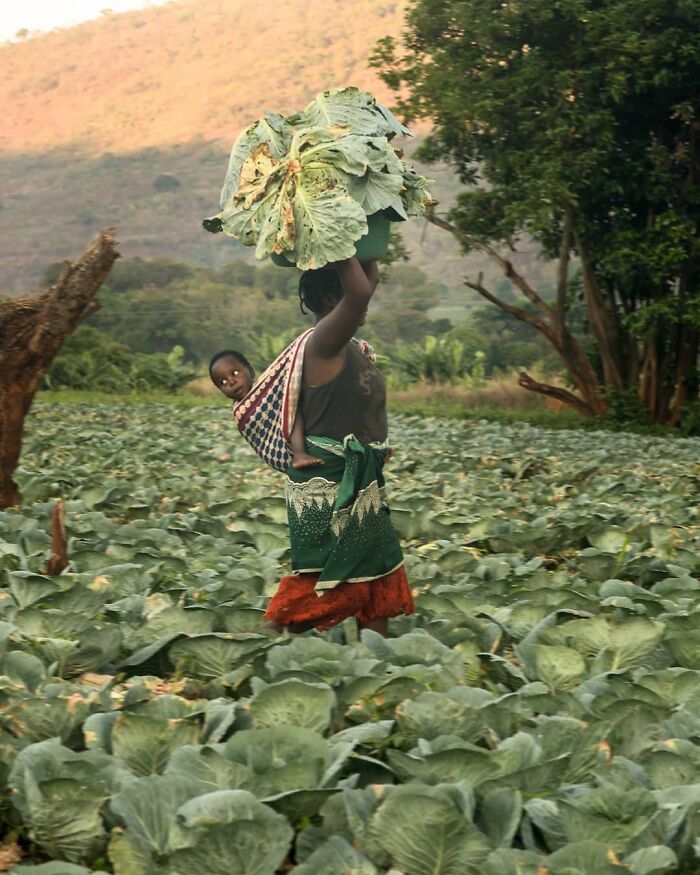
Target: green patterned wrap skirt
(339, 521)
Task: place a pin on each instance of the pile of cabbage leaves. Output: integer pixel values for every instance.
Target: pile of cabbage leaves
(302, 186)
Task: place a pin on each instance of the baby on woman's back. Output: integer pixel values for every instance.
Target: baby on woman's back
(233, 375)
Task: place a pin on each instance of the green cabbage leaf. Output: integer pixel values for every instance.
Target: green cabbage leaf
(302, 187)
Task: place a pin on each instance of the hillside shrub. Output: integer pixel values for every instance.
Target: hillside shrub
(90, 360)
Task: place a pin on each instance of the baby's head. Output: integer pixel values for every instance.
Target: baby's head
(231, 373)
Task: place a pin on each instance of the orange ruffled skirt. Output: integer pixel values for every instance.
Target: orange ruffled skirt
(296, 601)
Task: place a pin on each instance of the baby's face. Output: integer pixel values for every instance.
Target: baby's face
(232, 378)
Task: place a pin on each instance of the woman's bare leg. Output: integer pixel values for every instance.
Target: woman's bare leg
(295, 628)
(376, 624)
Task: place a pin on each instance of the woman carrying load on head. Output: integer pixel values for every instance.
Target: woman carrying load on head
(345, 556)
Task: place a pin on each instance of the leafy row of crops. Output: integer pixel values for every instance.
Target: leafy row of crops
(540, 714)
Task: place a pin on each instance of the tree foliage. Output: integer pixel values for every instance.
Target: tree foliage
(489, 343)
(152, 306)
(575, 123)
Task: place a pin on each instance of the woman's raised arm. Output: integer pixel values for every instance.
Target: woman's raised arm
(337, 328)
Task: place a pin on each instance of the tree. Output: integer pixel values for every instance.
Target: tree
(166, 182)
(198, 314)
(575, 123)
(91, 360)
(138, 273)
(410, 288)
(237, 273)
(32, 331)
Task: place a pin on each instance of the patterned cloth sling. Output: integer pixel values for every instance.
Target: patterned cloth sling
(265, 417)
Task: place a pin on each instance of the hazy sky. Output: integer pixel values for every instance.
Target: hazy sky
(48, 14)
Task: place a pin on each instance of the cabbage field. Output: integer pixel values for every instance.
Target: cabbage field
(540, 715)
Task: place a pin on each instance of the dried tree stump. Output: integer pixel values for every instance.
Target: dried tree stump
(58, 560)
(32, 330)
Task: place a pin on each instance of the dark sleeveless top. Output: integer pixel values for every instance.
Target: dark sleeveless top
(353, 402)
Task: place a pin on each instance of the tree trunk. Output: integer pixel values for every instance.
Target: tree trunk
(648, 387)
(32, 330)
(686, 363)
(600, 319)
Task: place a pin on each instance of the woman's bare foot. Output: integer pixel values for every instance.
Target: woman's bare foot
(304, 460)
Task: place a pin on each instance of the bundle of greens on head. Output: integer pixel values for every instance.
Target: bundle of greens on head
(303, 185)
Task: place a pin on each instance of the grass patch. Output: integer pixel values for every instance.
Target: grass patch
(543, 417)
(502, 400)
(446, 409)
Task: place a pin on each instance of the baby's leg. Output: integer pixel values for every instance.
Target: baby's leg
(301, 458)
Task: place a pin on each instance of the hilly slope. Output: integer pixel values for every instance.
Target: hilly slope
(192, 69)
(92, 116)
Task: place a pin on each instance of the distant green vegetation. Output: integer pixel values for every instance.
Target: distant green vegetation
(154, 217)
(161, 321)
(90, 359)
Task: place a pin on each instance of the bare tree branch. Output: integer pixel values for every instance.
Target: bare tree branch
(563, 395)
(518, 312)
(566, 347)
(506, 266)
(553, 328)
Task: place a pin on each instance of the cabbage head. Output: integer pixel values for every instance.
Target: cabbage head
(302, 186)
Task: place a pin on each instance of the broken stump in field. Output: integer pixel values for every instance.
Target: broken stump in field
(32, 330)
(58, 560)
